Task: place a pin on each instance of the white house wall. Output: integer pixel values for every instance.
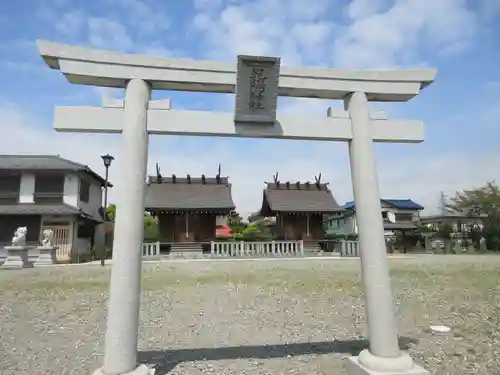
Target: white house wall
(346, 225)
(351, 225)
(71, 192)
(71, 189)
(391, 216)
(27, 188)
(393, 210)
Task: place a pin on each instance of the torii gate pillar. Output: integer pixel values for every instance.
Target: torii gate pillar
(137, 117)
(125, 284)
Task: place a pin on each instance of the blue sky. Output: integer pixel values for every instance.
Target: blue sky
(461, 110)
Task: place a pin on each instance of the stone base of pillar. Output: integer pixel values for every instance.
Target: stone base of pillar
(368, 364)
(141, 370)
(47, 256)
(17, 257)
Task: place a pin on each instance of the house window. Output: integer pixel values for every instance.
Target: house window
(384, 214)
(9, 188)
(84, 191)
(403, 217)
(49, 188)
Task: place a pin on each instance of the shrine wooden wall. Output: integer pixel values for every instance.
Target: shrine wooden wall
(166, 227)
(294, 227)
(198, 228)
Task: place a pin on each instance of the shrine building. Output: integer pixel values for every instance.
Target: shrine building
(299, 208)
(187, 209)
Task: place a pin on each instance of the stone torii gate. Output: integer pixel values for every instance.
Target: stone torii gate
(256, 81)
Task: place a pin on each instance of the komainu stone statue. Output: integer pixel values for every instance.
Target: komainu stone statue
(19, 238)
(48, 238)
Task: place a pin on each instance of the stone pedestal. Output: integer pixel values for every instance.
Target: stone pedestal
(47, 256)
(17, 257)
(140, 370)
(368, 364)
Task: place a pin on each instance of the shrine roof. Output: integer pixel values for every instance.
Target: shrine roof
(307, 197)
(189, 194)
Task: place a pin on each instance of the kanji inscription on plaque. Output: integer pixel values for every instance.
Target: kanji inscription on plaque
(257, 83)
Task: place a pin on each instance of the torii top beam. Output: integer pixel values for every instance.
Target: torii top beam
(110, 69)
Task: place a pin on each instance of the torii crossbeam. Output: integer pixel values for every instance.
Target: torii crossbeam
(256, 81)
(336, 126)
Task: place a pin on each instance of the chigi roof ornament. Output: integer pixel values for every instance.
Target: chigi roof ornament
(275, 178)
(318, 181)
(218, 175)
(158, 174)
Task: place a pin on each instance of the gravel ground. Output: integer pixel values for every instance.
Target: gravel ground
(294, 317)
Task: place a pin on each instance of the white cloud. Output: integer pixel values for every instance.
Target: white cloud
(105, 32)
(144, 18)
(359, 9)
(71, 23)
(289, 29)
(378, 33)
(395, 37)
(127, 25)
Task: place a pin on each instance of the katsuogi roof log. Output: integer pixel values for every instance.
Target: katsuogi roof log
(298, 197)
(184, 194)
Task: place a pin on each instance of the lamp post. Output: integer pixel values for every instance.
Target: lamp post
(107, 159)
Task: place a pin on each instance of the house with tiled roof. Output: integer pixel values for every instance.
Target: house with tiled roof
(49, 192)
(397, 214)
(188, 209)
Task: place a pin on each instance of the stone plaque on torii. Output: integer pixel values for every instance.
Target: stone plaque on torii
(257, 82)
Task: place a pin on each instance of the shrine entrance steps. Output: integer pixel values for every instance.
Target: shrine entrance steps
(312, 248)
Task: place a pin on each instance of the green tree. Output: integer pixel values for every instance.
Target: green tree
(254, 232)
(151, 230)
(483, 201)
(111, 210)
(235, 222)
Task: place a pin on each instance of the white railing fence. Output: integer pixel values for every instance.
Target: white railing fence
(349, 248)
(268, 248)
(150, 249)
(264, 249)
